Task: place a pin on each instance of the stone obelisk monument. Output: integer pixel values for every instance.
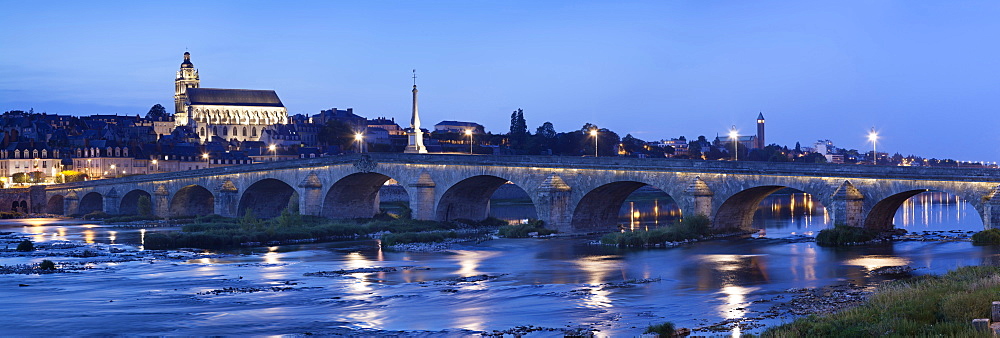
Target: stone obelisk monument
(415, 135)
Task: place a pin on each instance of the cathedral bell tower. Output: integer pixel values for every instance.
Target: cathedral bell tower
(187, 77)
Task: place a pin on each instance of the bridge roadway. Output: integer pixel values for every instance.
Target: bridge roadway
(571, 194)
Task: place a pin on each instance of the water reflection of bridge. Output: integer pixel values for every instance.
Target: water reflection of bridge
(569, 194)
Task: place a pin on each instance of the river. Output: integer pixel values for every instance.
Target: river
(555, 283)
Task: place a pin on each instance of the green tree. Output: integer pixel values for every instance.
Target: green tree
(68, 176)
(249, 220)
(144, 206)
(518, 136)
(157, 113)
(546, 130)
(20, 178)
(336, 133)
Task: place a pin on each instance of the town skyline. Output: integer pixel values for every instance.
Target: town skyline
(663, 72)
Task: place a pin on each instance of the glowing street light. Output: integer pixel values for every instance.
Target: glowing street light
(274, 151)
(360, 138)
(593, 132)
(873, 137)
(468, 132)
(155, 168)
(207, 163)
(734, 135)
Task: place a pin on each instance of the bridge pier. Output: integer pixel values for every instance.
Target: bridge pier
(311, 198)
(422, 199)
(991, 211)
(112, 201)
(71, 204)
(227, 199)
(700, 199)
(846, 206)
(553, 204)
(161, 202)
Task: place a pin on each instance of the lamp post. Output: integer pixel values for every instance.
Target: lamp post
(113, 172)
(734, 135)
(208, 164)
(468, 132)
(873, 137)
(155, 168)
(360, 138)
(274, 151)
(593, 132)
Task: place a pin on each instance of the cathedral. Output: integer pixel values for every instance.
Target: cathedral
(230, 114)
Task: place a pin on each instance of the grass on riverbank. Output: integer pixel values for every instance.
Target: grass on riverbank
(689, 228)
(986, 237)
(417, 237)
(522, 230)
(921, 306)
(215, 232)
(842, 235)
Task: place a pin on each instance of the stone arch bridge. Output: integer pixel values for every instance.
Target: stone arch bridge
(570, 194)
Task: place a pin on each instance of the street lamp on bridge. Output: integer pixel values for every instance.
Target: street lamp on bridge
(207, 163)
(360, 138)
(274, 151)
(593, 132)
(468, 132)
(873, 137)
(734, 135)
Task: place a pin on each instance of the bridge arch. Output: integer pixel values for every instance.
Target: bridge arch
(55, 205)
(91, 202)
(129, 204)
(192, 200)
(599, 208)
(355, 196)
(267, 198)
(737, 211)
(882, 214)
(470, 198)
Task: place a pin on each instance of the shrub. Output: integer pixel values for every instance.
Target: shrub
(689, 228)
(25, 246)
(144, 206)
(842, 235)
(986, 237)
(10, 214)
(417, 237)
(130, 218)
(665, 329)
(47, 265)
(522, 230)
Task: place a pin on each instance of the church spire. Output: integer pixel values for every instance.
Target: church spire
(416, 136)
(187, 78)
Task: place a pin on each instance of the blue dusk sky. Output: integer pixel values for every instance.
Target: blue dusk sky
(924, 73)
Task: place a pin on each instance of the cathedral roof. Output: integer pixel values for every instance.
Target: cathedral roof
(233, 97)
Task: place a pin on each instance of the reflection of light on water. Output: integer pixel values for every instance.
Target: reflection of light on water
(596, 267)
(112, 236)
(88, 236)
(936, 211)
(873, 261)
(271, 257)
(361, 287)
(736, 303)
(468, 261)
(36, 222)
(142, 239)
